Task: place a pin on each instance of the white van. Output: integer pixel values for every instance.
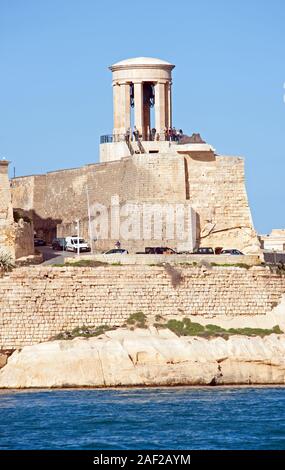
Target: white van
(71, 244)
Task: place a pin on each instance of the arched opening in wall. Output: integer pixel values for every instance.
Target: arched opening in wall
(148, 104)
(152, 122)
(186, 174)
(132, 107)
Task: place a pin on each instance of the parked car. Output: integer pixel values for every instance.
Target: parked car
(39, 242)
(116, 251)
(159, 250)
(232, 251)
(59, 244)
(71, 244)
(204, 251)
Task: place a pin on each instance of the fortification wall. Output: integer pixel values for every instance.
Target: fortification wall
(213, 186)
(216, 189)
(39, 302)
(59, 198)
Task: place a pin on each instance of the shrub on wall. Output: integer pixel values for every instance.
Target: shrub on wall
(6, 261)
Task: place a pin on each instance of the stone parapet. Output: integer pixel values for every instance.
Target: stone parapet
(141, 259)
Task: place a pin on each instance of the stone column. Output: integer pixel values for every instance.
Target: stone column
(116, 105)
(169, 104)
(138, 92)
(160, 108)
(125, 108)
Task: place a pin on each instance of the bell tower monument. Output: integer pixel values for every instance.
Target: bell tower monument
(142, 83)
(139, 84)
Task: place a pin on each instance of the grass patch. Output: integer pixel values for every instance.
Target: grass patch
(137, 320)
(185, 327)
(83, 331)
(236, 265)
(188, 328)
(155, 264)
(255, 331)
(83, 263)
(185, 263)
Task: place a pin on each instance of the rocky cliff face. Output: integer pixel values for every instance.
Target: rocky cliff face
(147, 357)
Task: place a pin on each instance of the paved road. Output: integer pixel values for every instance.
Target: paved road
(54, 257)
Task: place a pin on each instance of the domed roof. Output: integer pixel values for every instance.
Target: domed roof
(142, 61)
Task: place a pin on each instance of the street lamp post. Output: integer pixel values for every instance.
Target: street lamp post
(89, 220)
(77, 227)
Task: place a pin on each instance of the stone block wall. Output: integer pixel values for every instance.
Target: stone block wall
(216, 189)
(37, 303)
(214, 186)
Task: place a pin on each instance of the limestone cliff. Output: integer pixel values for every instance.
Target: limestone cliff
(147, 357)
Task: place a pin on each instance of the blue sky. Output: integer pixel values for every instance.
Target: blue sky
(56, 95)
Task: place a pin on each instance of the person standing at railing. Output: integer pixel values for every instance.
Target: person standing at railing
(128, 135)
(153, 133)
(179, 135)
(166, 134)
(136, 133)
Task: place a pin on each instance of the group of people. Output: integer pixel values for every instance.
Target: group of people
(174, 135)
(132, 135)
(170, 134)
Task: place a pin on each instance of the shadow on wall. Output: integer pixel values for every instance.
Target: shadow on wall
(198, 230)
(44, 228)
(203, 156)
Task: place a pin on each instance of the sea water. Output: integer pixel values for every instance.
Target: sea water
(149, 418)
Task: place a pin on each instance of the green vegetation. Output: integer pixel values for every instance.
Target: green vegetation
(86, 263)
(83, 263)
(6, 262)
(183, 327)
(237, 265)
(185, 263)
(83, 331)
(255, 331)
(188, 328)
(137, 320)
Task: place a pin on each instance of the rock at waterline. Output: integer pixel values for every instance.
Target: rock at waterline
(147, 357)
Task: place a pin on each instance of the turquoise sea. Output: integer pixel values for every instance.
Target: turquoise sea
(150, 418)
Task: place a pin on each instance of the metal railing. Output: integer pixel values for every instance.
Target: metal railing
(162, 137)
